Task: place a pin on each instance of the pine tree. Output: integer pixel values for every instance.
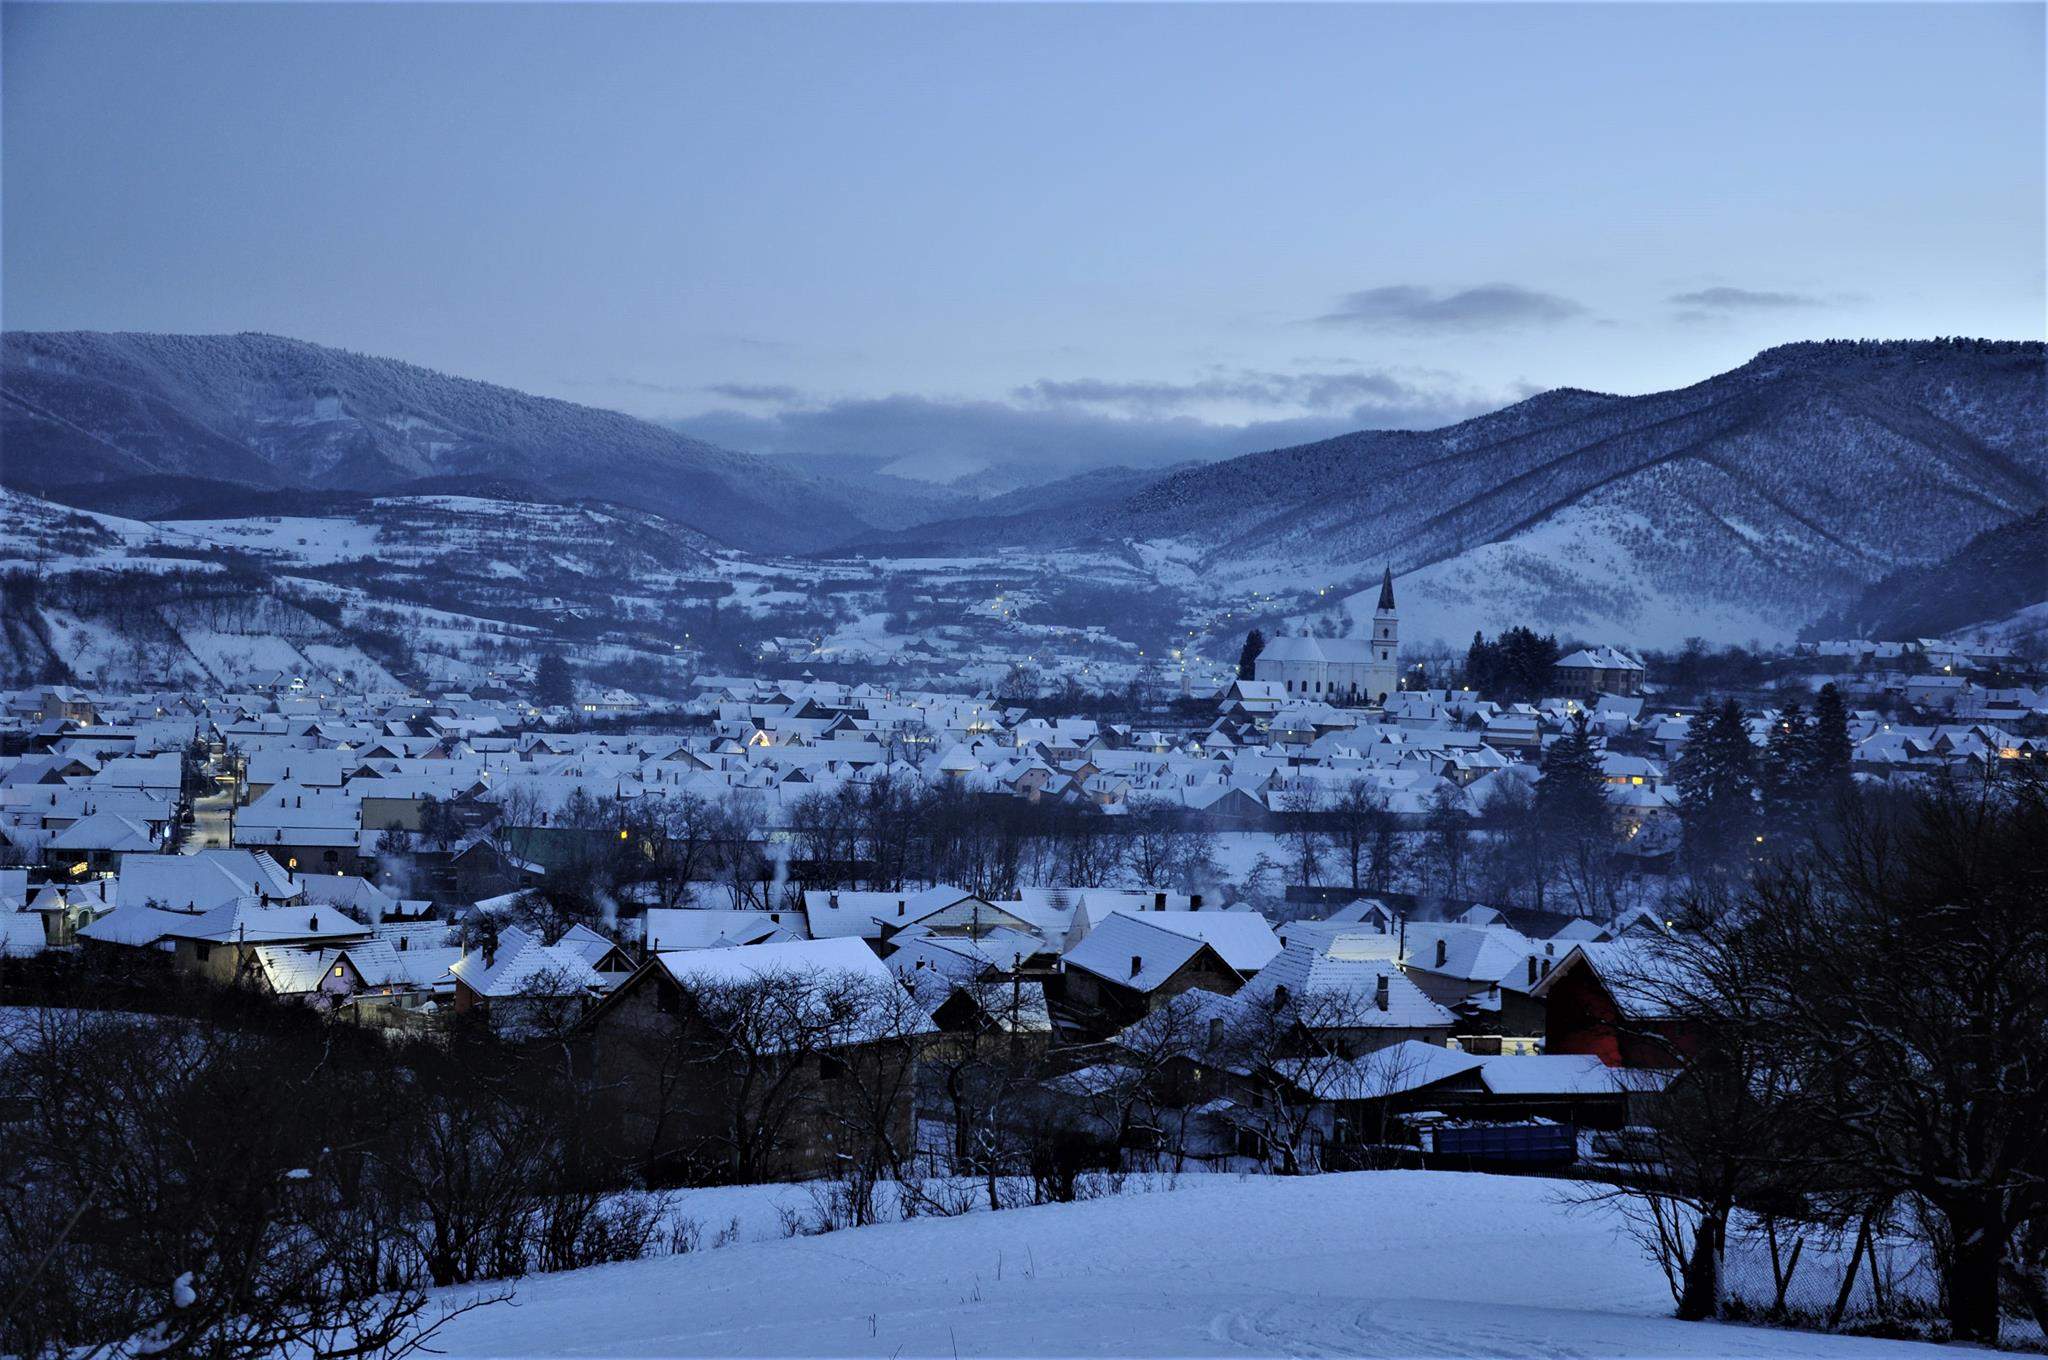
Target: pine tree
(1479, 664)
(1717, 786)
(1830, 747)
(1573, 818)
(1571, 798)
(1248, 659)
(552, 686)
(1789, 786)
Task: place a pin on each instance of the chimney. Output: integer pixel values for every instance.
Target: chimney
(899, 906)
(1137, 964)
(313, 921)
(1532, 970)
(403, 940)
(1379, 992)
(1194, 901)
(1443, 953)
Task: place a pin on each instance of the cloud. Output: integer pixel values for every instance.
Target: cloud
(1721, 302)
(1058, 426)
(1411, 307)
(1325, 391)
(779, 393)
(1742, 300)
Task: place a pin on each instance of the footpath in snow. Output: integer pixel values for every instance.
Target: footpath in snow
(1367, 1264)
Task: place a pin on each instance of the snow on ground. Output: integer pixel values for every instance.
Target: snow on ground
(349, 664)
(298, 539)
(238, 657)
(1367, 1264)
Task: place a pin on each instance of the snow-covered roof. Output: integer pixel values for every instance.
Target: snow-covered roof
(1243, 938)
(1343, 993)
(1118, 939)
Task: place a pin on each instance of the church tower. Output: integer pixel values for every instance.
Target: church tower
(1385, 675)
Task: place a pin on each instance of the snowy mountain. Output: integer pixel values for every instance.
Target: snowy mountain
(1739, 507)
(89, 417)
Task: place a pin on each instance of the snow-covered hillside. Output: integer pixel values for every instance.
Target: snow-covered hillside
(1367, 1264)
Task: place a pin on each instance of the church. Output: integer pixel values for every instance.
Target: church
(1340, 670)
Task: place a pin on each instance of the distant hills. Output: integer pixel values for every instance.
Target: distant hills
(1741, 506)
(151, 424)
(1744, 506)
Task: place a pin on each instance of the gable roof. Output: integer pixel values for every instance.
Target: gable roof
(526, 967)
(1118, 938)
(1243, 938)
(1346, 990)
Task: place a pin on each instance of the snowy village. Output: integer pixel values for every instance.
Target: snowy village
(931, 952)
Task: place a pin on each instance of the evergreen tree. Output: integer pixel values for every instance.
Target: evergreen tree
(1571, 798)
(1573, 819)
(1248, 659)
(1514, 668)
(552, 685)
(1787, 775)
(1717, 786)
(1479, 664)
(1830, 747)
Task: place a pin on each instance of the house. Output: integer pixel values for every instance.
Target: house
(220, 945)
(96, 846)
(1243, 939)
(1485, 973)
(202, 881)
(877, 915)
(519, 985)
(606, 958)
(1622, 1001)
(1126, 967)
(1599, 670)
(313, 831)
(972, 986)
(741, 1063)
(1351, 1006)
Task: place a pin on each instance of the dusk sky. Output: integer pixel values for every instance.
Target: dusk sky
(1130, 233)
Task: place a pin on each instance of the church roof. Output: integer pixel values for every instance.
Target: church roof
(1387, 588)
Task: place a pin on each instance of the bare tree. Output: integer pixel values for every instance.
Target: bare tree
(1301, 827)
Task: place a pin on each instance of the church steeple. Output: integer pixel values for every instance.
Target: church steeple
(1385, 676)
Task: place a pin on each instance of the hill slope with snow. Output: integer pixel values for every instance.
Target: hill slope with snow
(1739, 507)
(1367, 1264)
(83, 414)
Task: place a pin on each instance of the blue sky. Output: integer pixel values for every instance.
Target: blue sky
(965, 233)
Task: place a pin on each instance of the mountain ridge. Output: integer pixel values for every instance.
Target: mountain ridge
(1768, 493)
(265, 411)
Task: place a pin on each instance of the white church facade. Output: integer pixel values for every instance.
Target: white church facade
(1340, 670)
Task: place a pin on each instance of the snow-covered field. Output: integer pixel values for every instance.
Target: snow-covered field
(1367, 1264)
